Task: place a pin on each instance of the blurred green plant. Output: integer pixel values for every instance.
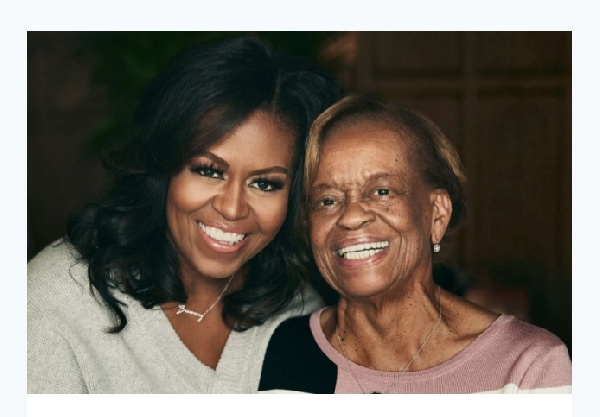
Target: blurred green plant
(127, 61)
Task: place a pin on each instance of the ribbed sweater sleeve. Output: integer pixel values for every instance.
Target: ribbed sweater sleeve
(52, 366)
(550, 369)
(52, 362)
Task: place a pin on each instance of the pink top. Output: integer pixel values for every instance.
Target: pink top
(510, 356)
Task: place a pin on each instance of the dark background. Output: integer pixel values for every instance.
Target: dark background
(503, 98)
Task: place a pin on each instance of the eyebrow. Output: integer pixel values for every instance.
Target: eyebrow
(323, 187)
(270, 170)
(371, 178)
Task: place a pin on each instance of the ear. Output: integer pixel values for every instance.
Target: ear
(442, 212)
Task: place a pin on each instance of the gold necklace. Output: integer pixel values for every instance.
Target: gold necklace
(200, 316)
(417, 353)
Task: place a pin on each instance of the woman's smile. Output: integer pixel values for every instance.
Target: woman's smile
(363, 250)
(370, 226)
(359, 253)
(230, 201)
(221, 240)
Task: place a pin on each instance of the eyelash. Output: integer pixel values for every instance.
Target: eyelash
(262, 184)
(330, 201)
(271, 184)
(207, 170)
(320, 203)
(387, 191)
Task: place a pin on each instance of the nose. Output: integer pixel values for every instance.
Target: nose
(231, 201)
(355, 215)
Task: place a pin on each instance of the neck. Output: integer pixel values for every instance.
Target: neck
(210, 297)
(200, 288)
(386, 336)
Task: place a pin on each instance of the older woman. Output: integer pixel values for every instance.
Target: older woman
(175, 283)
(384, 191)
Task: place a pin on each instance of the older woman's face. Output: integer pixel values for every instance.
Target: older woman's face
(370, 213)
(227, 204)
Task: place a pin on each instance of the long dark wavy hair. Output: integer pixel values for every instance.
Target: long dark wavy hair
(204, 94)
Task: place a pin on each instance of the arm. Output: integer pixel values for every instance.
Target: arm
(52, 294)
(550, 372)
(52, 366)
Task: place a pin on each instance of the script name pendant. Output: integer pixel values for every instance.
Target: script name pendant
(182, 309)
(200, 316)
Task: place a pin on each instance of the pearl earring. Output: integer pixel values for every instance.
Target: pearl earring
(436, 247)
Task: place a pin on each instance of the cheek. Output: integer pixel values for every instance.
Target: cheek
(318, 231)
(399, 215)
(272, 214)
(182, 195)
(175, 204)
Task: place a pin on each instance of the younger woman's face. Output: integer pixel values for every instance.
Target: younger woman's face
(227, 204)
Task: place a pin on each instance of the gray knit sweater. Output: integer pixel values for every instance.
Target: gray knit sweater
(68, 350)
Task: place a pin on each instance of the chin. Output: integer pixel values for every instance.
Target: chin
(214, 270)
(362, 290)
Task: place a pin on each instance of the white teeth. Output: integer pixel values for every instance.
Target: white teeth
(363, 251)
(218, 234)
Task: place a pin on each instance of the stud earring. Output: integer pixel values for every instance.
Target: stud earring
(436, 247)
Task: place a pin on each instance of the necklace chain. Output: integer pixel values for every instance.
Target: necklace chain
(200, 316)
(415, 356)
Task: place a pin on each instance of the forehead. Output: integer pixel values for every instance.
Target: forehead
(263, 134)
(364, 148)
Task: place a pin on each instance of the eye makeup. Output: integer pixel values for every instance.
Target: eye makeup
(267, 184)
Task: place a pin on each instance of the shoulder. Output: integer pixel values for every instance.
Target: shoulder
(525, 336)
(58, 287)
(535, 358)
(59, 252)
(294, 361)
(516, 341)
(57, 266)
(296, 327)
(291, 339)
(305, 302)
(287, 336)
(472, 321)
(532, 344)
(256, 340)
